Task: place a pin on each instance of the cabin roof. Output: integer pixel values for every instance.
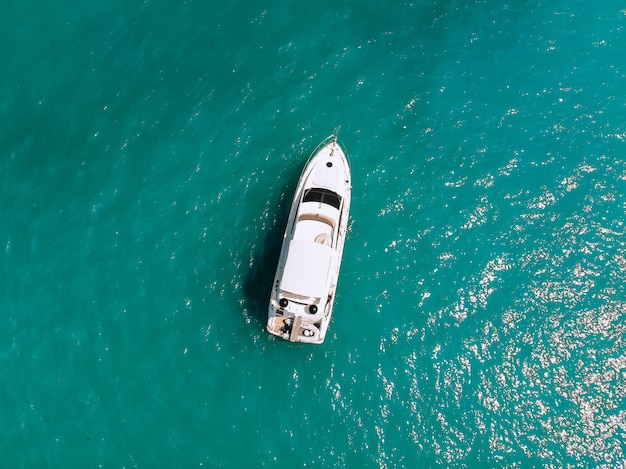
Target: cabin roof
(307, 269)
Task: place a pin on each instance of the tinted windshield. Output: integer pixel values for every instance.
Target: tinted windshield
(325, 196)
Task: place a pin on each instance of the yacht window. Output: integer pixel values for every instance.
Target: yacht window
(325, 196)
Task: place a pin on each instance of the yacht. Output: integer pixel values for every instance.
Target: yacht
(305, 284)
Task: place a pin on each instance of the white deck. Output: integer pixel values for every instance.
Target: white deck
(331, 178)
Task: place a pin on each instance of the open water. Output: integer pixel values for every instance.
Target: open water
(148, 155)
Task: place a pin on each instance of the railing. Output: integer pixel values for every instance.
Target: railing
(334, 137)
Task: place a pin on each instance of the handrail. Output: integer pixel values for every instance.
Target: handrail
(334, 137)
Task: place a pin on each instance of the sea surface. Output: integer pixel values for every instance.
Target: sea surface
(149, 151)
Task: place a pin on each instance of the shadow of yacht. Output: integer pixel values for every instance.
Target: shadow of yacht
(264, 260)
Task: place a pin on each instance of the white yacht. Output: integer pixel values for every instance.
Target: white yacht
(305, 283)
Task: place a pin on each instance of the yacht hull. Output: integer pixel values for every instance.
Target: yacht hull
(305, 283)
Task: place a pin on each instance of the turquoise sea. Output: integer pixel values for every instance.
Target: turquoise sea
(148, 155)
